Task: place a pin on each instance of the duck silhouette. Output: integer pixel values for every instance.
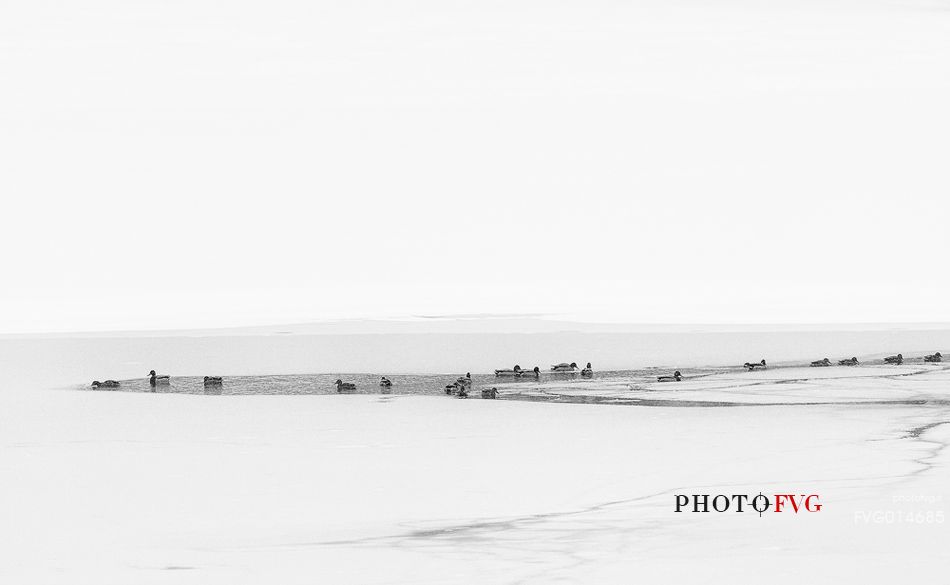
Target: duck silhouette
(676, 377)
(342, 386)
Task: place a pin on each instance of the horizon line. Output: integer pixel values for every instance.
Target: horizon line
(468, 318)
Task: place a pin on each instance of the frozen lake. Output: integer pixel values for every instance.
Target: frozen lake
(120, 487)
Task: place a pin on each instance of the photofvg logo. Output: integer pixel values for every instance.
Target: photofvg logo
(760, 503)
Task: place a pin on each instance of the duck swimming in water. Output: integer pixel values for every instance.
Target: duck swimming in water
(676, 377)
(821, 363)
(751, 366)
(384, 382)
(517, 372)
(587, 372)
(514, 372)
(213, 380)
(154, 379)
(342, 386)
(106, 384)
(851, 362)
(490, 394)
(933, 358)
(894, 359)
(564, 367)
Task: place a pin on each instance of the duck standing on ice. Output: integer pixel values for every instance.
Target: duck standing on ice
(751, 366)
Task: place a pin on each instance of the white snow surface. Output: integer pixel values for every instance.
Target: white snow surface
(117, 488)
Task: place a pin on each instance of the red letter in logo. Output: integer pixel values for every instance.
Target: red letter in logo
(780, 501)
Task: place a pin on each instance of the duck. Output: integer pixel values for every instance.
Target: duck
(821, 363)
(490, 394)
(342, 386)
(155, 379)
(676, 377)
(851, 362)
(894, 359)
(515, 371)
(587, 372)
(451, 389)
(564, 367)
(751, 366)
(385, 382)
(536, 372)
(933, 358)
(213, 380)
(105, 384)
(465, 380)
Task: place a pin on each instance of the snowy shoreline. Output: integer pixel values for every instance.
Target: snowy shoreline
(171, 488)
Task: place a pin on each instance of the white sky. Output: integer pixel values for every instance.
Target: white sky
(197, 163)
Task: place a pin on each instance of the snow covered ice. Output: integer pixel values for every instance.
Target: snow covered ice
(115, 487)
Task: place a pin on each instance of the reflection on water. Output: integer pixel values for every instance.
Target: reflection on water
(213, 389)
